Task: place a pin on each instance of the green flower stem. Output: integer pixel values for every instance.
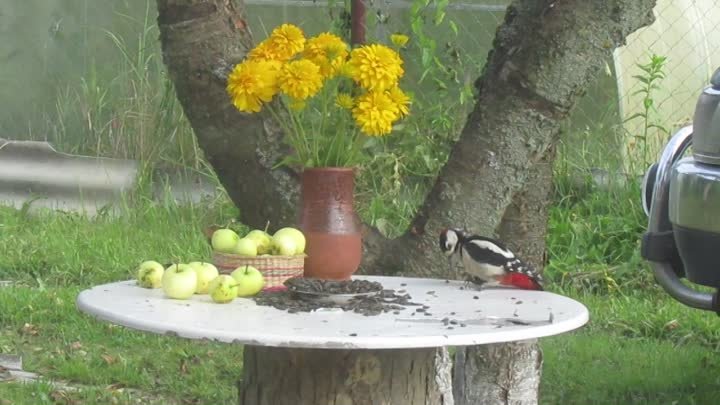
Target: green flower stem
(292, 134)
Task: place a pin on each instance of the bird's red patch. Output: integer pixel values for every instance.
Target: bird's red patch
(519, 280)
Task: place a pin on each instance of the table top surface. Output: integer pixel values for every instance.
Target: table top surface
(473, 317)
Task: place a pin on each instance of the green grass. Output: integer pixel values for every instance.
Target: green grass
(61, 343)
(606, 369)
(69, 250)
(640, 347)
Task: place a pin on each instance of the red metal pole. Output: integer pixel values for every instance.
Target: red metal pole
(357, 22)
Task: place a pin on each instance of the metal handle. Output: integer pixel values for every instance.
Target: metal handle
(660, 221)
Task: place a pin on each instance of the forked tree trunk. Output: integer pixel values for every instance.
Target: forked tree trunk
(281, 376)
(545, 54)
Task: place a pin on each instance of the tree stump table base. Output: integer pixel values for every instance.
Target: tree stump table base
(287, 376)
(336, 357)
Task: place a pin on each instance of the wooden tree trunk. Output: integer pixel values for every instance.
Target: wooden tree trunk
(499, 374)
(545, 54)
(281, 376)
(509, 373)
(201, 41)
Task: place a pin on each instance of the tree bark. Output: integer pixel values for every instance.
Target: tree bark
(545, 54)
(281, 376)
(498, 374)
(524, 224)
(481, 374)
(201, 41)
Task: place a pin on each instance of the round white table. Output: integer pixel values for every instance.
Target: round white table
(331, 356)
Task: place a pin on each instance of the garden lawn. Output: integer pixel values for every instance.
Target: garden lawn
(640, 347)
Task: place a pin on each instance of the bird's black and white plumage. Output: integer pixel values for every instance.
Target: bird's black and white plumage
(488, 262)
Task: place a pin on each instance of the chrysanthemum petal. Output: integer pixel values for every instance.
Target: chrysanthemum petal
(399, 39)
(252, 83)
(376, 67)
(328, 51)
(300, 79)
(375, 113)
(344, 100)
(401, 101)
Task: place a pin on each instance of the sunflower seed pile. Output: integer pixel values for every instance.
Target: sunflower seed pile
(332, 287)
(385, 301)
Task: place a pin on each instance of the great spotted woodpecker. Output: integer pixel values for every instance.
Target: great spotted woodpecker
(488, 262)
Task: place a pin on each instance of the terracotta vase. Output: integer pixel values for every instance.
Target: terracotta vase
(330, 223)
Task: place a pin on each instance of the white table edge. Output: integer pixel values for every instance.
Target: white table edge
(355, 343)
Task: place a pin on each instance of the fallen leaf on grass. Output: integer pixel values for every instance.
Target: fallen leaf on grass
(29, 329)
(62, 397)
(115, 387)
(109, 359)
(76, 346)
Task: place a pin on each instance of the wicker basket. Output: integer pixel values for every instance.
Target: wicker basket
(275, 269)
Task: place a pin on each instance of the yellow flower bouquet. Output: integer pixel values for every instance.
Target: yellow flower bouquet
(325, 96)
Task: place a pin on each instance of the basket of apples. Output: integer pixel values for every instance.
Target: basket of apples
(278, 257)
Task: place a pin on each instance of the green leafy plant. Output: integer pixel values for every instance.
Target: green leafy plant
(652, 74)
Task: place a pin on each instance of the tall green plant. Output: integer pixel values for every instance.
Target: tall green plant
(129, 111)
(652, 74)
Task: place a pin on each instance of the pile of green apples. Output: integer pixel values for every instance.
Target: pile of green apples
(285, 242)
(182, 280)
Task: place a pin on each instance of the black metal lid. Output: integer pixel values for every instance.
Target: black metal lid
(706, 123)
(715, 80)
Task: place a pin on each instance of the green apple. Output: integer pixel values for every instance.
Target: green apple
(297, 236)
(206, 272)
(224, 240)
(179, 281)
(262, 240)
(223, 289)
(285, 245)
(149, 274)
(249, 279)
(245, 247)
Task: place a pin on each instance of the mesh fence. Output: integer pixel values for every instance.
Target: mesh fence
(686, 33)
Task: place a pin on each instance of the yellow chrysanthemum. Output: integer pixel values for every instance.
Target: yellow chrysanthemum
(283, 43)
(263, 51)
(399, 39)
(375, 112)
(300, 79)
(401, 101)
(344, 100)
(328, 51)
(252, 83)
(376, 67)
